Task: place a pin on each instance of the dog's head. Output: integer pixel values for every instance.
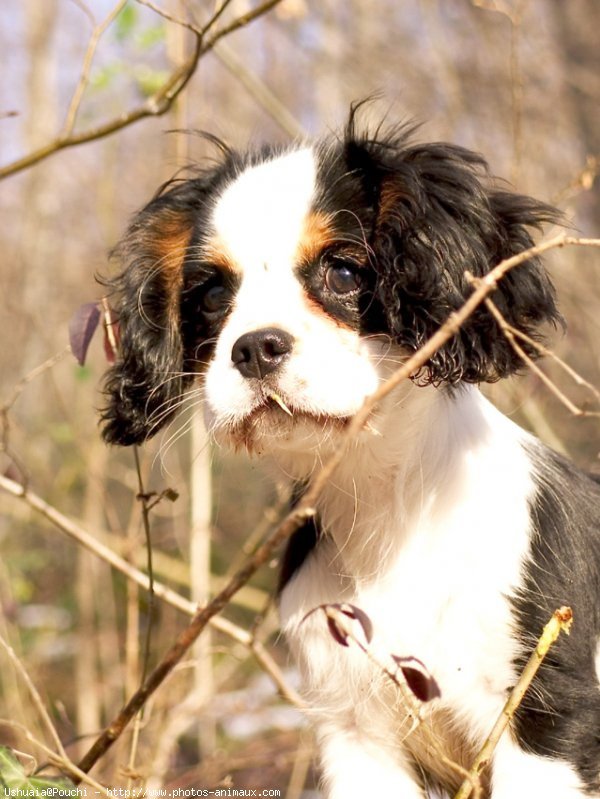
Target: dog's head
(289, 282)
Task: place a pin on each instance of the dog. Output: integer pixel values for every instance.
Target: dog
(284, 285)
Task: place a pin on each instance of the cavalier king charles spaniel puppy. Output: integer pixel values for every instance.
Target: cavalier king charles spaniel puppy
(285, 284)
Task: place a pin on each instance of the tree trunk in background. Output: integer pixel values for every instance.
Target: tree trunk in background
(39, 242)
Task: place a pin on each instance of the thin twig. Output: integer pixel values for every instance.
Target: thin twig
(32, 375)
(258, 89)
(155, 105)
(581, 381)
(37, 699)
(145, 501)
(84, 77)
(187, 637)
(583, 181)
(242, 21)
(86, 10)
(306, 507)
(169, 17)
(560, 622)
(516, 87)
(509, 332)
(220, 10)
(512, 333)
(5, 409)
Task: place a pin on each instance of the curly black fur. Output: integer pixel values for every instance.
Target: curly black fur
(560, 714)
(432, 213)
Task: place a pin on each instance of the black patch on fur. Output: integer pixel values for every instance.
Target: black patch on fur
(560, 714)
(300, 544)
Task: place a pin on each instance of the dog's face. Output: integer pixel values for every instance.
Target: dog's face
(291, 360)
(291, 283)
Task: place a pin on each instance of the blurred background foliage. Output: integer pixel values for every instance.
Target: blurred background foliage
(517, 80)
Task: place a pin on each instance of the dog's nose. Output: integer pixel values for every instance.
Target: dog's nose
(259, 353)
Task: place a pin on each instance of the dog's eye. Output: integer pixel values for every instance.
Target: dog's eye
(214, 299)
(342, 278)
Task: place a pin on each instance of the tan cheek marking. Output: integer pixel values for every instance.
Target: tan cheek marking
(168, 242)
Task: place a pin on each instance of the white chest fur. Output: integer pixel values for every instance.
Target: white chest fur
(427, 535)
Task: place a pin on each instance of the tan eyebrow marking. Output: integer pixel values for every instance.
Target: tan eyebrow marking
(317, 234)
(216, 251)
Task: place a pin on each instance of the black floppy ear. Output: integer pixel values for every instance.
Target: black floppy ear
(145, 385)
(436, 218)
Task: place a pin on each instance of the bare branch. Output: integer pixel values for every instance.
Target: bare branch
(156, 105)
(514, 14)
(256, 87)
(581, 381)
(86, 10)
(162, 591)
(57, 757)
(32, 375)
(242, 21)
(217, 15)
(583, 181)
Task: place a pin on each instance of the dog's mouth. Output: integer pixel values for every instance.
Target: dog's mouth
(277, 420)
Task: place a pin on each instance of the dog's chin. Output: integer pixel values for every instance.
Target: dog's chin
(269, 428)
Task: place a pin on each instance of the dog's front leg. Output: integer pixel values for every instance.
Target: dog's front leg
(355, 766)
(516, 773)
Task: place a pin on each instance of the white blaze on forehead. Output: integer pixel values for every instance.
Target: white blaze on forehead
(262, 222)
(260, 217)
